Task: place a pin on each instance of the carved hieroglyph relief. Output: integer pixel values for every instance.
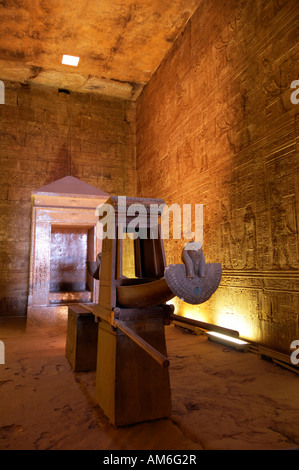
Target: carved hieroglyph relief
(222, 96)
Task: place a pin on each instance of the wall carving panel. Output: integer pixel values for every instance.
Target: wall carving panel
(216, 126)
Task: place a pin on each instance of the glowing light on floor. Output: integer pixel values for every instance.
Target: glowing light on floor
(228, 340)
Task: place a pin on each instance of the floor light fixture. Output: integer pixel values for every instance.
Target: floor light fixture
(236, 343)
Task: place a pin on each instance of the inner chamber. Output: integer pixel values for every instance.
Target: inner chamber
(71, 248)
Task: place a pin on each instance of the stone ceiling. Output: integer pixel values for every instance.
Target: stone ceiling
(120, 42)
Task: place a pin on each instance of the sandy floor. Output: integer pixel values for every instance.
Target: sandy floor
(221, 399)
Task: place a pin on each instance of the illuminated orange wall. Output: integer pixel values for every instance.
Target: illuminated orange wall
(216, 126)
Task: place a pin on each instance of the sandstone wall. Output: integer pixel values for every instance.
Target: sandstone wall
(46, 135)
(215, 125)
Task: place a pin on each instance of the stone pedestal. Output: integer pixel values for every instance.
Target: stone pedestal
(81, 339)
(131, 386)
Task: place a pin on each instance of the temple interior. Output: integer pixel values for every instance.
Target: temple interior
(109, 343)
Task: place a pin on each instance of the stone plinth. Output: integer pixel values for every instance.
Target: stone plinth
(81, 339)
